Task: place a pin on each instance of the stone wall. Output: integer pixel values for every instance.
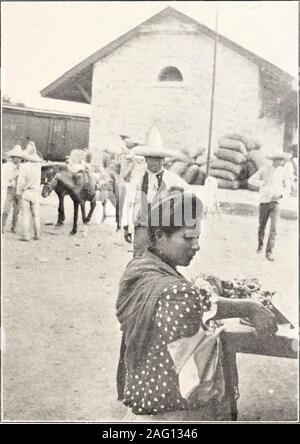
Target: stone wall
(127, 97)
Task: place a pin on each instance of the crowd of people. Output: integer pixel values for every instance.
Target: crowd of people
(21, 177)
(274, 183)
(171, 365)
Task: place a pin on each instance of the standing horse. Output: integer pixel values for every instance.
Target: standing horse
(80, 188)
(76, 186)
(48, 173)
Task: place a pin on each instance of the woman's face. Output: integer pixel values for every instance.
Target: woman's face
(181, 246)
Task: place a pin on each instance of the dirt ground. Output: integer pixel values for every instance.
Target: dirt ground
(61, 333)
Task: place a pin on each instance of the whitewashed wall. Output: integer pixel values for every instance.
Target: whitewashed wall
(127, 97)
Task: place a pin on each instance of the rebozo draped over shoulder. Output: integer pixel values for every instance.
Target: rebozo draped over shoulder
(140, 288)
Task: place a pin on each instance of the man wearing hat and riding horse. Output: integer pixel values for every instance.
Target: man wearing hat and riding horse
(28, 191)
(10, 173)
(273, 183)
(145, 187)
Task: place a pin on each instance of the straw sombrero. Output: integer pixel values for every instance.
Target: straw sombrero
(154, 147)
(15, 152)
(30, 154)
(279, 155)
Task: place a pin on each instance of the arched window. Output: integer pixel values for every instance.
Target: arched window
(170, 74)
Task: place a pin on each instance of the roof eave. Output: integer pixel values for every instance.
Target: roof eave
(87, 64)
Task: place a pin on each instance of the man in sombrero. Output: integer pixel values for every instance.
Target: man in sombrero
(273, 183)
(147, 186)
(28, 191)
(10, 173)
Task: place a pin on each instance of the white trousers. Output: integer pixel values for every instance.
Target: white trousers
(30, 203)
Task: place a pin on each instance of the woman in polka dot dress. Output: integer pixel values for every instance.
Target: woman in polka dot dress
(157, 306)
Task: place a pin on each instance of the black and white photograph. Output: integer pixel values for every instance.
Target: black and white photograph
(149, 210)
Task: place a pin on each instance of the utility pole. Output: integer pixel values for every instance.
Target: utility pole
(212, 92)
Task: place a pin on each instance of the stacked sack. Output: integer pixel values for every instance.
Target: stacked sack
(237, 159)
(230, 167)
(193, 169)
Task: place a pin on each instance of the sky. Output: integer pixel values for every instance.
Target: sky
(42, 40)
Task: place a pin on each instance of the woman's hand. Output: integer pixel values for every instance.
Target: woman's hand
(262, 319)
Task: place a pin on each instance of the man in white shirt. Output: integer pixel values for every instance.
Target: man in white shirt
(10, 172)
(273, 183)
(28, 191)
(144, 188)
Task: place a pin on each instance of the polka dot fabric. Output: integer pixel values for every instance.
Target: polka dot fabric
(153, 387)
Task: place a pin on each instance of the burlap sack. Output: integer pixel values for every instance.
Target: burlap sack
(251, 168)
(200, 178)
(230, 155)
(179, 168)
(243, 173)
(227, 166)
(228, 184)
(235, 136)
(250, 143)
(223, 174)
(235, 145)
(191, 173)
(202, 159)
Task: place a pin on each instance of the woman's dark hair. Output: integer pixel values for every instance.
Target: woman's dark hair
(173, 210)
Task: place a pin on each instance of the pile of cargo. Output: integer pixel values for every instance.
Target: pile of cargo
(229, 167)
(78, 156)
(193, 169)
(237, 158)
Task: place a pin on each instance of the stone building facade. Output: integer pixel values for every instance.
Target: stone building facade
(162, 74)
